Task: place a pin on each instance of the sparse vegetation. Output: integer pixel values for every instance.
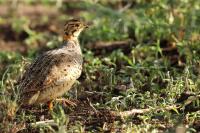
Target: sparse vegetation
(155, 76)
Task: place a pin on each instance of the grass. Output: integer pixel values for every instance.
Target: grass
(160, 69)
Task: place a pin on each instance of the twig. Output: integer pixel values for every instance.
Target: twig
(142, 111)
(47, 122)
(94, 92)
(21, 127)
(112, 45)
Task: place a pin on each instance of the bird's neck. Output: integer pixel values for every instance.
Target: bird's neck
(70, 38)
(71, 42)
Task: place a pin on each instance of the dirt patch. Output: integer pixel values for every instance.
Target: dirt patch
(13, 46)
(31, 11)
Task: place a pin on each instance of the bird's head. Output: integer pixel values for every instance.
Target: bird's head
(73, 28)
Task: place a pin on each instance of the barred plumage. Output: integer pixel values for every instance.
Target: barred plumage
(54, 72)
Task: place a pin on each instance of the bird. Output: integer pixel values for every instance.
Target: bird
(54, 72)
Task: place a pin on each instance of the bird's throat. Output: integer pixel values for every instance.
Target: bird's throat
(69, 37)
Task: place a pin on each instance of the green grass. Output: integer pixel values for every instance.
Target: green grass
(160, 69)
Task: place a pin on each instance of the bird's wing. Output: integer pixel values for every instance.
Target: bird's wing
(64, 71)
(47, 70)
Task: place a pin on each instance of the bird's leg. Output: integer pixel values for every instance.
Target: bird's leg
(50, 105)
(66, 101)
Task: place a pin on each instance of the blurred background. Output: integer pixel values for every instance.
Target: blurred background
(137, 54)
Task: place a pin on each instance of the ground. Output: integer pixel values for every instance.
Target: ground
(141, 69)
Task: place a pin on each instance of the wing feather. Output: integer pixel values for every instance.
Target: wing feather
(48, 70)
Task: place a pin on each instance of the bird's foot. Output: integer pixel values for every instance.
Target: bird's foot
(50, 105)
(66, 102)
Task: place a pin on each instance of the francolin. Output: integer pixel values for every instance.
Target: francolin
(54, 72)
